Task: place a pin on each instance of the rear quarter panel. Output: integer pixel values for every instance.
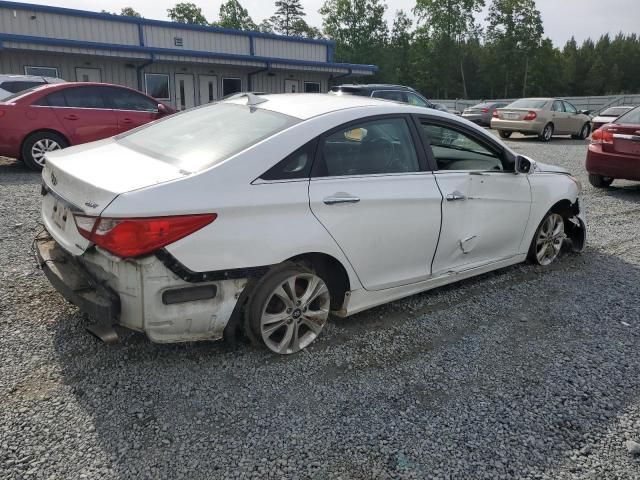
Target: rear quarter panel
(19, 121)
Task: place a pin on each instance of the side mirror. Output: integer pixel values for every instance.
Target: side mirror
(524, 165)
(585, 112)
(162, 109)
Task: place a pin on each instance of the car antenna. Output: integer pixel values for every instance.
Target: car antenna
(252, 98)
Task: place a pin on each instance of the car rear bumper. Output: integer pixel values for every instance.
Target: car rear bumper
(140, 294)
(476, 117)
(75, 284)
(521, 126)
(614, 165)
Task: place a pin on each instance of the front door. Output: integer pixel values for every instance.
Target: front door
(369, 191)
(486, 205)
(88, 75)
(208, 88)
(561, 121)
(185, 93)
(291, 86)
(132, 109)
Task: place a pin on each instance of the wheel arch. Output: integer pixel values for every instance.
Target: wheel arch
(574, 226)
(331, 270)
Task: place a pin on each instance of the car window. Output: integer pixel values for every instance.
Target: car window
(615, 111)
(205, 136)
(294, 166)
(18, 86)
(528, 103)
(570, 108)
(414, 99)
(557, 106)
(632, 117)
(394, 95)
(84, 97)
(55, 99)
(123, 99)
(454, 150)
(376, 147)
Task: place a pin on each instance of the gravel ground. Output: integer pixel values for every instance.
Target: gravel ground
(522, 373)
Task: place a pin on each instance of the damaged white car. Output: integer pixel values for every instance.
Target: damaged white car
(265, 214)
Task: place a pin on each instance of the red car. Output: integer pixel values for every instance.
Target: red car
(614, 152)
(49, 117)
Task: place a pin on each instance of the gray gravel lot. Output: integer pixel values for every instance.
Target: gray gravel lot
(522, 373)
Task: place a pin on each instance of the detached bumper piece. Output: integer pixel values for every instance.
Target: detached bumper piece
(75, 284)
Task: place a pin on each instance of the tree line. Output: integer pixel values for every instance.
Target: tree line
(444, 52)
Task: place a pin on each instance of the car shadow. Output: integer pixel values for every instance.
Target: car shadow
(554, 141)
(187, 409)
(13, 171)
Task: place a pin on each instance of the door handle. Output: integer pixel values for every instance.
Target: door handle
(71, 117)
(127, 121)
(340, 198)
(455, 196)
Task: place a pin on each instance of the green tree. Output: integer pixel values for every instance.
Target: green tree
(398, 61)
(234, 15)
(448, 23)
(129, 12)
(289, 13)
(358, 28)
(515, 29)
(187, 13)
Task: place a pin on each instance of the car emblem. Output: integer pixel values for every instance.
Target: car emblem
(54, 180)
(91, 204)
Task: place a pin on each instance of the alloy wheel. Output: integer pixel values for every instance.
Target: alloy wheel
(550, 238)
(295, 313)
(41, 147)
(547, 133)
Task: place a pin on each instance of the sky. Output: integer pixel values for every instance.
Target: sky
(561, 18)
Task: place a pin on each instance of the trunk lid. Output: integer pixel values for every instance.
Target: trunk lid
(626, 139)
(87, 178)
(514, 113)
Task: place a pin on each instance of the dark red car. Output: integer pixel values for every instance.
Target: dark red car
(50, 117)
(614, 152)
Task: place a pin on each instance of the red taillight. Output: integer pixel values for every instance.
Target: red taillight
(601, 136)
(133, 237)
(485, 110)
(495, 114)
(530, 116)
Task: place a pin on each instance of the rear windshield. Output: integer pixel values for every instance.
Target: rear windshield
(11, 98)
(615, 111)
(632, 117)
(205, 136)
(482, 105)
(528, 103)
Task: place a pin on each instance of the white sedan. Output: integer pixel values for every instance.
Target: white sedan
(263, 214)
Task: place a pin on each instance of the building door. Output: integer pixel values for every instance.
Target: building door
(208, 88)
(291, 86)
(88, 75)
(185, 92)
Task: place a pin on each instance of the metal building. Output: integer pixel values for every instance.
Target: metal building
(184, 65)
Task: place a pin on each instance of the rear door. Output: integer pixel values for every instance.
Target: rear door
(84, 113)
(560, 119)
(370, 190)
(132, 109)
(575, 120)
(486, 205)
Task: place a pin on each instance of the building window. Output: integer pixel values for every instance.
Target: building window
(157, 85)
(231, 85)
(311, 87)
(41, 71)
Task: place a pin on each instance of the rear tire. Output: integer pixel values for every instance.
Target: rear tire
(288, 308)
(37, 145)
(504, 134)
(547, 133)
(599, 181)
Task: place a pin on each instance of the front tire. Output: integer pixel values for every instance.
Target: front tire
(547, 133)
(584, 132)
(37, 145)
(288, 309)
(599, 181)
(504, 134)
(547, 242)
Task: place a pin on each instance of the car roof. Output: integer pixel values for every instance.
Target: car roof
(308, 105)
(374, 86)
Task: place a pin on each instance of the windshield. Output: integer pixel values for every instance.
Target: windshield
(615, 111)
(205, 136)
(528, 103)
(632, 117)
